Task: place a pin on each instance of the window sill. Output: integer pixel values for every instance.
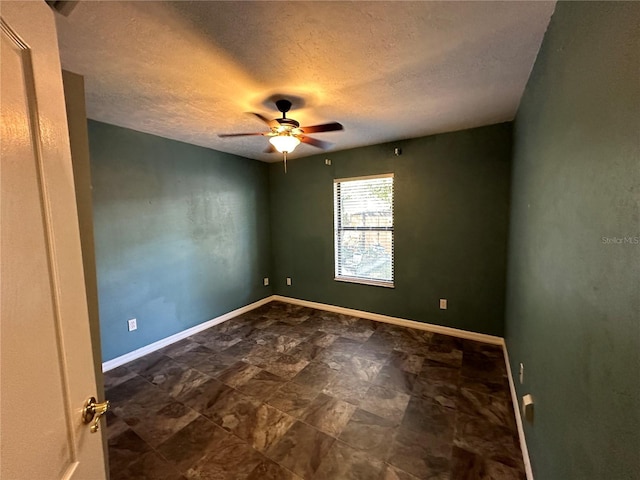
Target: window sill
(364, 281)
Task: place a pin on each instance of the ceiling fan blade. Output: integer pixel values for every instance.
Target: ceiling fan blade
(315, 142)
(222, 135)
(325, 127)
(272, 123)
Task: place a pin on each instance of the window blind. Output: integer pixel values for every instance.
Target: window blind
(363, 229)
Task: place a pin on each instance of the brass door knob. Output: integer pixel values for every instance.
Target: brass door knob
(94, 411)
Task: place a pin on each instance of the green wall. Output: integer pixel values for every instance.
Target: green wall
(451, 217)
(573, 301)
(181, 234)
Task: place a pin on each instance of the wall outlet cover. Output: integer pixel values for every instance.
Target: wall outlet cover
(132, 324)
(443, 304)
(265, 280)
(289, 281)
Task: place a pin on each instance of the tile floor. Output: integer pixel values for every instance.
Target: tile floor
(287, 392)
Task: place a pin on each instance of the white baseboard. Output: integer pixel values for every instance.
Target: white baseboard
(141, 352)
(454, 332)
(518, 415)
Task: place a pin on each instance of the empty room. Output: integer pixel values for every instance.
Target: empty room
(320, 240)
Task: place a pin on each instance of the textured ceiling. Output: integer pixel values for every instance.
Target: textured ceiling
(385, 70)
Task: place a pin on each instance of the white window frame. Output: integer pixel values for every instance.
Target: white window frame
(338, 229)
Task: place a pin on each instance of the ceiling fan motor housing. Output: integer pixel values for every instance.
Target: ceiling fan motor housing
(283, 105)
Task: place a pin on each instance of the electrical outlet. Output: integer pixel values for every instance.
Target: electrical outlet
(265, 280)
(521, 373)
(443, 304)
(133, 324)
(289, 281)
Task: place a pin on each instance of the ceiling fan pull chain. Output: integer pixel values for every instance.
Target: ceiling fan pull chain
(285, 161)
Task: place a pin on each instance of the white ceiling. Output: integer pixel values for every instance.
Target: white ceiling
(385, 70)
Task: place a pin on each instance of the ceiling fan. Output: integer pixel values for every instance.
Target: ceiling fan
(286, 133)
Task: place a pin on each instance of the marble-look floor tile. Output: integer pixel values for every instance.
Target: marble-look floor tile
(249, 398)
(240, 349)
(346, 345)
(159, 426)
(361, 330)
(469, 466)
(229, 459)
(453, 342)
(214, 340)
(394, 473)
(262, 385)
(347, 388)
(115, 425)
(203, 396)
(437, 374)
(238, 374)
(270, 470)
(421, 454)
(194, 356)
(293, 398)
(496, 410)
(136, 399)
(315, 375)
(165, 367)
(179, 348)
(232, 410)
(361, 368)
(385, 402)
(131, 458)
(497, 387)
(142, 364)
(192, 445)
(370, 433)
(443, 355)
(287, 366)
(283, 343)
(215, 364)
(261, 356)
(346, 463)
(306, 350)
(393, 377)
(117, 376)
(334, 359)
(263, 427)
(482, 366)
(444, 394)
(479, 436)
(490, 350)
(301, 449)
(176, 377)
(328, 414)
(405, 361)
(322, 339)
(126, 447)
(424, 416)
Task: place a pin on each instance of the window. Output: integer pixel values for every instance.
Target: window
(363, 229)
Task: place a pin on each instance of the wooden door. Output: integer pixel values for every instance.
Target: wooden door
(46, 366)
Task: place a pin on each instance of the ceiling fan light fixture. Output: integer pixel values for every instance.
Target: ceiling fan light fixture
(284, 142)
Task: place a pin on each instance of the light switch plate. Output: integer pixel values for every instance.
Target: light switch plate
(443, 304)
